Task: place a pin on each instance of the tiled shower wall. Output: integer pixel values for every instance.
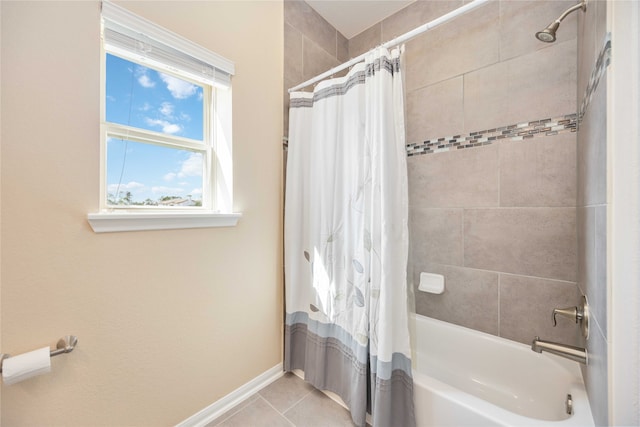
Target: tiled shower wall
(498, 219)
(311, 46)
(593, 54)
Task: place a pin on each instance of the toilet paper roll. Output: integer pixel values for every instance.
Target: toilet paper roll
(27, 365)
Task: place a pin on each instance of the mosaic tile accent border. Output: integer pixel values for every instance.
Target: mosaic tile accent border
(520, 131)
(603, 61)
(517, 132)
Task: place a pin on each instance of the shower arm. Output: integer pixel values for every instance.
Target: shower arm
(582, 5)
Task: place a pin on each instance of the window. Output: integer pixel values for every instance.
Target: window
(165, 129)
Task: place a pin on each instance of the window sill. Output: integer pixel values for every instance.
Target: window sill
(108, 222)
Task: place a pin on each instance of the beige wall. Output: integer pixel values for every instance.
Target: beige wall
(168, 321)
(498, 221)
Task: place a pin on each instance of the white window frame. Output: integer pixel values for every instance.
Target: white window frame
(217, 203)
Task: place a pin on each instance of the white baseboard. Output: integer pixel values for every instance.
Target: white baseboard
(222, 405)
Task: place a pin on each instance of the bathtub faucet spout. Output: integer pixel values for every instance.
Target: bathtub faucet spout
(568, 351)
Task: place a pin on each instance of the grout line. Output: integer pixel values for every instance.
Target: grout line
(499, 300)
(464, 115)
(499, 150)
(598, 328)
(500, 30)
(462, 235)
(284, 414)
(237, 409)
(477, 208)
(275, 409)
(301, 61)
(582, 291)
(469, 208)
(597, 205)
(567, 282)
(298, 401)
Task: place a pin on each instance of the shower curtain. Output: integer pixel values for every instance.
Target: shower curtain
(346, 241)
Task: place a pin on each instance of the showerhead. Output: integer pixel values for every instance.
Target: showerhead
(548, 35)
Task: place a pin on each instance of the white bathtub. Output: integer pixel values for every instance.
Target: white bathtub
(464, 377)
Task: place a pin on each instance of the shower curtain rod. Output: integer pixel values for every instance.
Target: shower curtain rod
(398, 40)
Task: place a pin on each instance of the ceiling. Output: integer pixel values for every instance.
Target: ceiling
(351, 17)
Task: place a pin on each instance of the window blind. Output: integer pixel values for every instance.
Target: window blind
(138, 39)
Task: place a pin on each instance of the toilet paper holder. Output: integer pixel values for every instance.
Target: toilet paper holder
(65, 344)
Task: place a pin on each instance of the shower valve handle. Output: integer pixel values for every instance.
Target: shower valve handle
(580, 314)
(569, 312)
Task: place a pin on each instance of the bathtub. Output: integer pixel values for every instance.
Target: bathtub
(464, 377)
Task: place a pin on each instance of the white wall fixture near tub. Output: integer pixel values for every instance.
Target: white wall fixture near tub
(464, 377)
(431, 283)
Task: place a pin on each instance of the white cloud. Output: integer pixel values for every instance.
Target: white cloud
(167, 190)
(196, 192)
(145, 107)
(145, 81)
(179, 89)
(132, 185)
(192, 166)
(143, 77)
(166, 126)
(166, 109)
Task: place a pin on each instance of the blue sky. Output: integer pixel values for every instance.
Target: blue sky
(145, 98)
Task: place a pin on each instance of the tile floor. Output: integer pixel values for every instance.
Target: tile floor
(287, 402)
